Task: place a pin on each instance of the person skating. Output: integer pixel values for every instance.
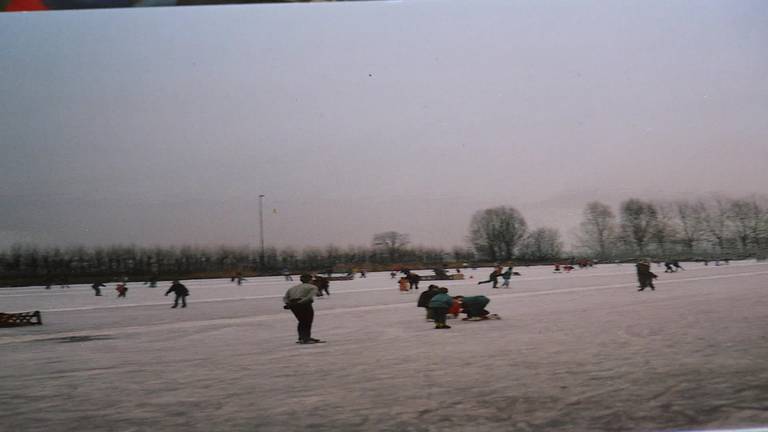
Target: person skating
(238, 278)
(493, 277)
(97, 288)
(439, 305)
(424, 299)
(644, 275)
(298, 299)
(181, 293)
(121, 290)
(506, 276)
(322, 284)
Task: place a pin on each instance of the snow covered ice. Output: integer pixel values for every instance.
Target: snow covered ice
(580, 351)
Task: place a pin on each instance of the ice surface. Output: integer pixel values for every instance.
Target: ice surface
(574, 352)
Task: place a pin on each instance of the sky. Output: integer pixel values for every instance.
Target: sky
(162, 126)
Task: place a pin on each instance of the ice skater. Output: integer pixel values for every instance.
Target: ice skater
(322, 284)
(97, 288)
(493, 277)
(506, 276)
(181, 293)
(439, 304)
(121, 290)
(298, 299)
(238, 278)
(644, 275)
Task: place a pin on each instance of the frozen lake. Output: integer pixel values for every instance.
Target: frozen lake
(582, 351)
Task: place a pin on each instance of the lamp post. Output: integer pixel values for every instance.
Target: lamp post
(261, 231)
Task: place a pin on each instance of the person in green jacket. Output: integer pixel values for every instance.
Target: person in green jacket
(474, 307)
(439, 305)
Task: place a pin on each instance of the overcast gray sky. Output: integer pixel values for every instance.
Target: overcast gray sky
(162, 126)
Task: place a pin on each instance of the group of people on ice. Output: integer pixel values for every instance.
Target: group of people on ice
(181, 292)
(439, 305)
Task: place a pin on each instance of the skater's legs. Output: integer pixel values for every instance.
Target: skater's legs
(305, 314)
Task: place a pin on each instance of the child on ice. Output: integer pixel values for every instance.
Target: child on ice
(121, 290)
(404, 285)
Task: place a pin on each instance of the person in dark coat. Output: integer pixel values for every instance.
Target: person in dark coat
(413, 280)
(181, 293)
(97, 287)
(644, 275)
(424, 299)
(474, 307)
(322, 284)
(493, 277)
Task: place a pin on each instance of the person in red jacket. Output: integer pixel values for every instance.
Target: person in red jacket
(455, 308)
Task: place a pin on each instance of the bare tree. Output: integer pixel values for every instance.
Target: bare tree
(638, 219)
(664, 230)
(542, 243)
(715, 218)
(598, 229)
(746, 217)
(392, 242)
(692, 228)
(496, 232)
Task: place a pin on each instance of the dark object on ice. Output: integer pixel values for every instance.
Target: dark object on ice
(86, 338)
(645, 276)
(97, 288)
(20, 319)
(181, 294)
(238, 277)
(152, 281)
(322, 284)
(413, 280)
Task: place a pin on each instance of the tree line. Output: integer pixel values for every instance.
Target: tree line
(716, 227)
